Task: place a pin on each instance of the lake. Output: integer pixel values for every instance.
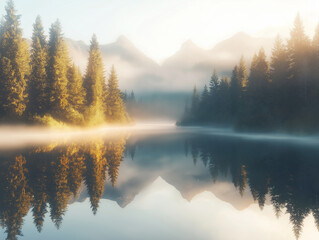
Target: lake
(157, 182)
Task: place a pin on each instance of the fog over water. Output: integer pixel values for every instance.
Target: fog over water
(18, 136)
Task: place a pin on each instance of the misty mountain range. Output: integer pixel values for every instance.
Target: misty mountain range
(190, 65)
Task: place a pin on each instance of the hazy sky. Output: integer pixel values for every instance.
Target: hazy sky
(159, 27)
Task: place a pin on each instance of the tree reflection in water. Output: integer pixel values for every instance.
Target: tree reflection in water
(287, 174)
(48, 177)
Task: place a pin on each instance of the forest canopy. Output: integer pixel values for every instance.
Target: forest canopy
(40, 84)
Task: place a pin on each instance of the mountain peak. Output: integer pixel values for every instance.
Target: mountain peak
(189, 45)
(123, 40)
(241, 35)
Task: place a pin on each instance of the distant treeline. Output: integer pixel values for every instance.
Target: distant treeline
(280, 94)
(41, 85)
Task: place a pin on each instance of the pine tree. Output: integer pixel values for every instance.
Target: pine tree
(299, 50)
(259, 73)
(279, 75)
(14, 66)
(38, 98)
(75, 89)
(204, 104)
(234, 93)
(257, 105)
(213, 91)
(242, 73)
(58, 64)
(213, 82)
(239, 100)
(94, 84)
(205, 94)
(279, 63)
(225, 100)
(115, 109)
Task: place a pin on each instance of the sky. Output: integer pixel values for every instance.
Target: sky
(159, 27)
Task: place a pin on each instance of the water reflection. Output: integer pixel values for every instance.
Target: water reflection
(287, 173)
(46, 179)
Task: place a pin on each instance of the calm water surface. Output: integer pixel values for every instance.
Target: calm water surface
(167, 183)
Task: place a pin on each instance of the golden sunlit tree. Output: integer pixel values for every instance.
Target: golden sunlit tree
(37, 88)
(14, 66)
(115, 109)
(57, 69)
(76, 97)
(94, 83)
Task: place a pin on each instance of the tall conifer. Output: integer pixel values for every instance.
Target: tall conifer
(279, 74)
(14, 66)
(58, 65)
(94, 84)
(38, 97)
(115, 109)
(242, 73)
(299, 51)
(75, 89)
(213, 82)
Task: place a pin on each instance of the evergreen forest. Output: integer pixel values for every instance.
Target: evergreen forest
(40, 84)
(280, 93)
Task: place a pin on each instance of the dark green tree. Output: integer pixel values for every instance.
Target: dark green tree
(213, 83)
(299, 48)
(258, 113)
(235, 91)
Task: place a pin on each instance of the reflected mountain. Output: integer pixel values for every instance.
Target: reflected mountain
(46, 179)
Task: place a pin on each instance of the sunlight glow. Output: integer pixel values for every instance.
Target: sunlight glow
(159, 28)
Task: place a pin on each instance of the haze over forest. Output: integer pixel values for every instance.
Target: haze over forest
(188, 66)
